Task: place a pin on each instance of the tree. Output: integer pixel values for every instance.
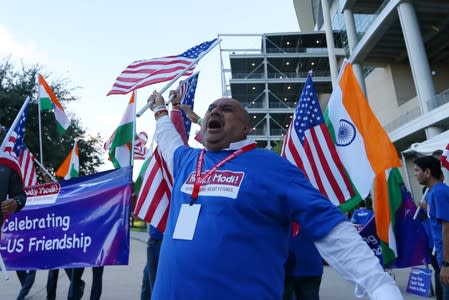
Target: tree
(15, 86)
(278, 145)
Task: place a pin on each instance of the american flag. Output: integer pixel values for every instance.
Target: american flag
(187, 88)
(26, 162)
(308, 145)
(13, 152)
(140, 149)
(444, 159)
(146, 72)
(153, 201)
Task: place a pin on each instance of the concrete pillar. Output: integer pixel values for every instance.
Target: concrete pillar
(351, 32)
(330, 40)
(417, 56)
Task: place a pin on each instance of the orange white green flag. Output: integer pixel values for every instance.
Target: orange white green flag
(70, 167)
(48, 100)
(362, 144)
(122, 139)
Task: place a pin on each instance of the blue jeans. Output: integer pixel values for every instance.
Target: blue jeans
(76, 288)
(149, 272)
(97, 283)
(26, 280)
(445, 289)
(52, 282)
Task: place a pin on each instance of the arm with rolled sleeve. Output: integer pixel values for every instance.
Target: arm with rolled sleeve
(338, 242)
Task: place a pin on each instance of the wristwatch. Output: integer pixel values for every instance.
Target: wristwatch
(445, 263)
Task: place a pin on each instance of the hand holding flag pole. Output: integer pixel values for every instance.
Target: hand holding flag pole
(45, 171)
(167, 86)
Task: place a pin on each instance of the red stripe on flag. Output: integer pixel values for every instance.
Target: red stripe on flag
(323, 160)
(336, 160)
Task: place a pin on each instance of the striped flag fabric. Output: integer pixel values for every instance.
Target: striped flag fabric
(121, 140)
(153, 200)
(186, 89)
(155, 182)
(26, 162)
(309, 146)
(444, 159)
(70, 167)
(146, 72)
(358, 134)
(48, 100)
(13, 142)
(140, 142)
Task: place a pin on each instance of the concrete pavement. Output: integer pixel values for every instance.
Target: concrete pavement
(123, 282)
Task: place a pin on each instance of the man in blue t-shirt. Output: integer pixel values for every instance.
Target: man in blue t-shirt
(428, 172)
(361, 215)
(230, 213)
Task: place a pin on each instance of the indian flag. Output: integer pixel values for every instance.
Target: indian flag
(362, 144)
(387, 200)
(122, 138)
(48, 100)
(70, 167)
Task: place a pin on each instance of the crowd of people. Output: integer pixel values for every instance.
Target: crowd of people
(247, 225)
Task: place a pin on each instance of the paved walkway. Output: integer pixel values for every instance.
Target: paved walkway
(123, 282)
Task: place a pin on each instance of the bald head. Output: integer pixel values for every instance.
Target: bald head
(226, 121)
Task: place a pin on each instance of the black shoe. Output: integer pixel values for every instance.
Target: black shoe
(82, 286)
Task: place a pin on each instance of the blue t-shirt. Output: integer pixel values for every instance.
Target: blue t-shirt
(240, 242)
(304, 258)
(438, 202)
(361, 216)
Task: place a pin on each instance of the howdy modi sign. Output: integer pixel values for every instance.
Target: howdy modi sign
(75, 223)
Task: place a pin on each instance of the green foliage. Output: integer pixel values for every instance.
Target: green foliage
(278, 146)
(15, 86)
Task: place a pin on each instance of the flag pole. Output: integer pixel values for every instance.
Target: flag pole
(41, 155)
(167, 86)
(45, 170)
(134, 128)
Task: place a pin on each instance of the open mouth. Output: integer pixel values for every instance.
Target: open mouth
(214, 124)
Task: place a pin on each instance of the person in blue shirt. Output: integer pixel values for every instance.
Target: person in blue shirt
(230, 213)
(303, 269)
(428, 172)
(361, 215)
(149, 271)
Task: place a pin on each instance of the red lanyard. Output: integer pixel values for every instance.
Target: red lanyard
(201, 180)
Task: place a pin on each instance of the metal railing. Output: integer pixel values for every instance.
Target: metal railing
(279, 75)
(435, 102)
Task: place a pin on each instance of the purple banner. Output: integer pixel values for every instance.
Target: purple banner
(411, 238)
(75, 223)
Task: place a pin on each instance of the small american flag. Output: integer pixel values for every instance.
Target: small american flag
(146, 72)
(308, 145)
(140, 149)
(26, 161)
(153, 201)
(13, 152)
(186, 89)
(444, 157)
